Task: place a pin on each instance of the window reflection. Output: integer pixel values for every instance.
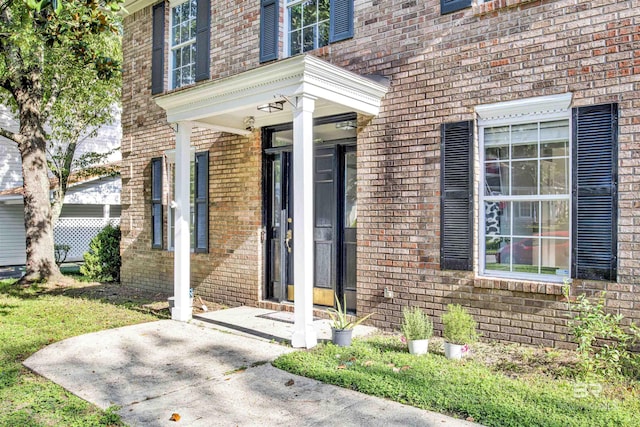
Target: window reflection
(350, 191)
(526, 198)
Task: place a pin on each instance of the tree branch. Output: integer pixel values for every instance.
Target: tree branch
(15, 137)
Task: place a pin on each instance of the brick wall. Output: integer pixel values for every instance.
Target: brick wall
(230, 272)
(482, 55)
(440, 68)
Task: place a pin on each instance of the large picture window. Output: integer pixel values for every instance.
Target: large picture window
(526, 197)
(547, 202)
(183, 43)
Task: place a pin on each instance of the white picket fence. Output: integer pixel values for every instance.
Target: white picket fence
(78, 232)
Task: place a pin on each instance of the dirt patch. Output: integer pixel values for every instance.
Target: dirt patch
(117, 294)
(517, 360)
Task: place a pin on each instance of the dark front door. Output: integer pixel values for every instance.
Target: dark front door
(324, 225)
(335, 224)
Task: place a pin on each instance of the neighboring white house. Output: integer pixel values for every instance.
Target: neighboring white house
(88, 206)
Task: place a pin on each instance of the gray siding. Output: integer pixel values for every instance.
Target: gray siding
(12, 238)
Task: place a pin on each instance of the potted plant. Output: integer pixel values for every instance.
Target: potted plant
(417, 328)
(459, 330)
(342, 326)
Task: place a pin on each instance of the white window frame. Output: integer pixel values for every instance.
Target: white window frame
(287, 28)
(191, 41)
(531, 110)
(170, 156)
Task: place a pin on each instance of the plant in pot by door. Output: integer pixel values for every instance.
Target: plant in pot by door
(459, 330)
(341, 326)
(417, 328)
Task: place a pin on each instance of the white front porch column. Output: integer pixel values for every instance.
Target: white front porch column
(304, 335)
(182, 238)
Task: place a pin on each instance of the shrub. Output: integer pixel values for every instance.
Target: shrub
(60, 251)
(102, 261)
(416, 324)
(458, 325)
(603, 343)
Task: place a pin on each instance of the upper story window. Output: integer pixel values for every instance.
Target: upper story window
(188, 42)
(183, 43)
(308, 25)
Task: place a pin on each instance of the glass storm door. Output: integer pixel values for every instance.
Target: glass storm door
(335, 225)
(280, 226)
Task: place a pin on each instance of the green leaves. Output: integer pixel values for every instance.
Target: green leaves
(103, 261)
(56, 5)
(602, 340)
(416, 324)
(459, 327)
(35, 5)
(38, 6)
(340, 318)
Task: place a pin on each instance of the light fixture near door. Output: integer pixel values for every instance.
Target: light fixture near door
(272, 107)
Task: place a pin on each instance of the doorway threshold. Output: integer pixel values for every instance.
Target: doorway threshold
(257, 323)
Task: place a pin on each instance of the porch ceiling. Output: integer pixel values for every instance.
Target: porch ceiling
(224, 104)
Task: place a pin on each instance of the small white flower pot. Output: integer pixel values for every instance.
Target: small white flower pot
(455, 351)
(418, 346)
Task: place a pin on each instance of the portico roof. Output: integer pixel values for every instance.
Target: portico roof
(226, 103)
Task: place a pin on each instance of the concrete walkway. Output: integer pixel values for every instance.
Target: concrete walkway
(210, 377)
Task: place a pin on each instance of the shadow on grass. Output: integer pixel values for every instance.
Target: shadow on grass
(6, 308)
(153, 303)
(10, 287)
(77, 286)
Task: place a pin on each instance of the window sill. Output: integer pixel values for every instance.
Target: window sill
(518, 285)
(488, 7)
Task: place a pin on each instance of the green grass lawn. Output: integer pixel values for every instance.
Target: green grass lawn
(502, 394)
(29, 320)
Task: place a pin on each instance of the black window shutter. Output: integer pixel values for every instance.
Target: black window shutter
(203, 50)
(269, 25)
(201, 196)
(448, 6)
(595, 192)
(340, 20)
(156, 203)
(456, 196)
(157, 51)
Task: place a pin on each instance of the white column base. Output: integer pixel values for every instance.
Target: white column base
(180, 314)
(304, 337)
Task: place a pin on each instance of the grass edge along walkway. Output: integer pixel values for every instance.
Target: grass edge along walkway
(381, 366)
(30, 319)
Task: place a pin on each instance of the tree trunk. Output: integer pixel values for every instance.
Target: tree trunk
(41, 263)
